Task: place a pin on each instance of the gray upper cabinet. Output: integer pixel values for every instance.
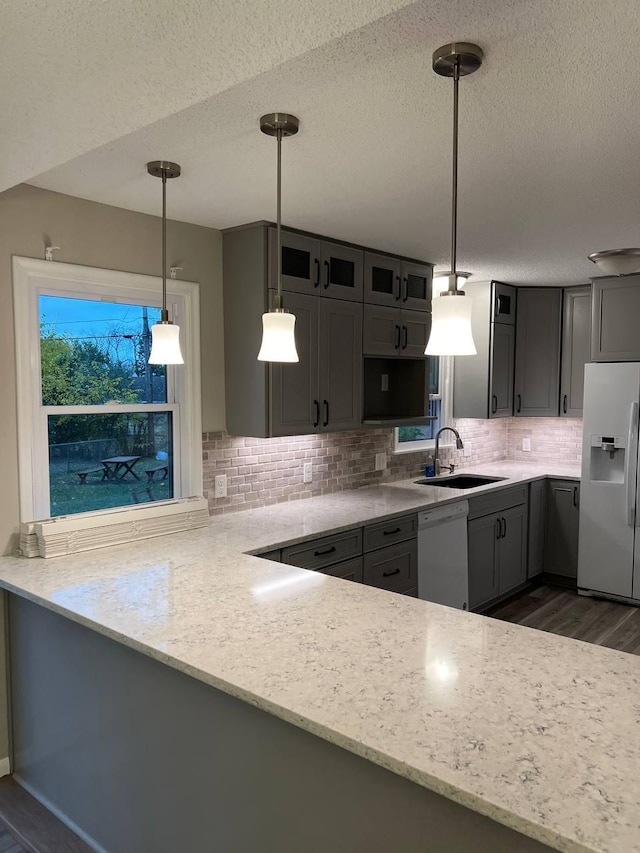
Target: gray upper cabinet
(300, 262)
(537, 373)
(576, 341)
(483, 384)
(342, 270)
(295, 403)
(416, 286)
(340, 365)
(563, 517)
(615, 313)
(382, 280)
(395, 332)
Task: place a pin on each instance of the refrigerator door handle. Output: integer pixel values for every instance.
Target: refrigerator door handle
(630, 473)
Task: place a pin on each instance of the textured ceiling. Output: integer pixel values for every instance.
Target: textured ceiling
(79, 73)
(550, 132)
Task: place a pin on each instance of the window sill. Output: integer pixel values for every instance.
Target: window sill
(420, 447)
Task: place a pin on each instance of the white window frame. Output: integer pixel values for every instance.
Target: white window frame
(33, 278)
(446, 395)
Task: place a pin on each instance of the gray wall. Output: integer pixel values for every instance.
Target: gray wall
(100, 236)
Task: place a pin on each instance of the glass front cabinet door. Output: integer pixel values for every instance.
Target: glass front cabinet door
(382, 280)
(300, 262)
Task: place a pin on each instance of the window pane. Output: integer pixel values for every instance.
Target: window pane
(423, 433)
(434, 374)
(95, 352)
(103, 461)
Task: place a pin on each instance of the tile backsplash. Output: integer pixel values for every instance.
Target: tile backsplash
(267, 471)
(556, 440)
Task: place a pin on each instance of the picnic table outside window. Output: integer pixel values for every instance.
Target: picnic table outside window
(117, 467)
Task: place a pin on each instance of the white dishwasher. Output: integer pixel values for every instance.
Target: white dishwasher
(442, 555)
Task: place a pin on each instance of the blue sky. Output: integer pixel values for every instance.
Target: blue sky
(88, 319)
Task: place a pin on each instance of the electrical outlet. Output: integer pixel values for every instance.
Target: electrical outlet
(526, 445)
(307, 475)
(384, 384)
(221, 486)
(381, 461)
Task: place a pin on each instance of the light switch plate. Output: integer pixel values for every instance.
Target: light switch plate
(307, 475)
(526, 445)
(381, 461)
(221, 486)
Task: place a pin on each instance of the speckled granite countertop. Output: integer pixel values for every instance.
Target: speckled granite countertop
(538, 732)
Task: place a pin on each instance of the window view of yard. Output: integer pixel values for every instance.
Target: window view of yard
(95, 353)
(428, 431)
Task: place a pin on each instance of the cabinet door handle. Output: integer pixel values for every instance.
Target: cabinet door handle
(391, 532)
(494, 404)
(397, 344)
(564, 405)
(575, 496)
(316, 283)
(519, 403)
(316, 418)
(405, 281)
(326, 278)
(325, 422)
(498, 528)
(406, 337)
(399, 296)
(391, 574)
(325, 552)
(504, 528)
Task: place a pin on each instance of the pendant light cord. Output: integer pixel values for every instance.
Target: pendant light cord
(278, 299)
(453, 281)
(164, 317)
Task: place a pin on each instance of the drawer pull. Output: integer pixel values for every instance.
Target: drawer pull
(391, 532)
(324, 553)
(390, 574)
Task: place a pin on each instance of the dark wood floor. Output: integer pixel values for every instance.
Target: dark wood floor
(563, 611)
(8, 844)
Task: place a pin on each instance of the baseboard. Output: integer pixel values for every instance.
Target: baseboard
(5, 767)
(63, 818)
(559, 580)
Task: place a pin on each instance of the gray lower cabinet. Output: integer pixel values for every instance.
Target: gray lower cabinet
(395, 332)
(295, 403)
(563, 518)
(394, 568)
(275, 556)
(497, 545)
(340, 392)
(615, 312)
(537, 526)
(537, 371)
(325, 551)
(576, 342)
(483, 560)
(512, 569)
(350, 570)
(483, 386)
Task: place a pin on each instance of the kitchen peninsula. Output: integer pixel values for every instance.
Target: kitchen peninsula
(181, 688)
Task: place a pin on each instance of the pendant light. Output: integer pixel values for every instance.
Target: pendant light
(617, 261)
(165, 335)
(451, 314)
(278, 325)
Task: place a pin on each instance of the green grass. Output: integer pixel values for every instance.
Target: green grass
(68, 496)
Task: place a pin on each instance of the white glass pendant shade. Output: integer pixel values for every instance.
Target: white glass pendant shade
(165, 344)
(451, 327)
(278, 337)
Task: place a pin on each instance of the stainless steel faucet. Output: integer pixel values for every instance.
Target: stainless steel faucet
(436, 459)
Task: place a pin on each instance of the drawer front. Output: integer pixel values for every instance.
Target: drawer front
(388, 532)
(496, 501)
(275, 556)
(394, 568)
(325, 551)
(351, 570)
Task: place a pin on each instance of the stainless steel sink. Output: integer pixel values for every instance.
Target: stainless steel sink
(459, 481)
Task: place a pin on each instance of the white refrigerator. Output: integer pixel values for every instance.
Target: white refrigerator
(609, 544)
